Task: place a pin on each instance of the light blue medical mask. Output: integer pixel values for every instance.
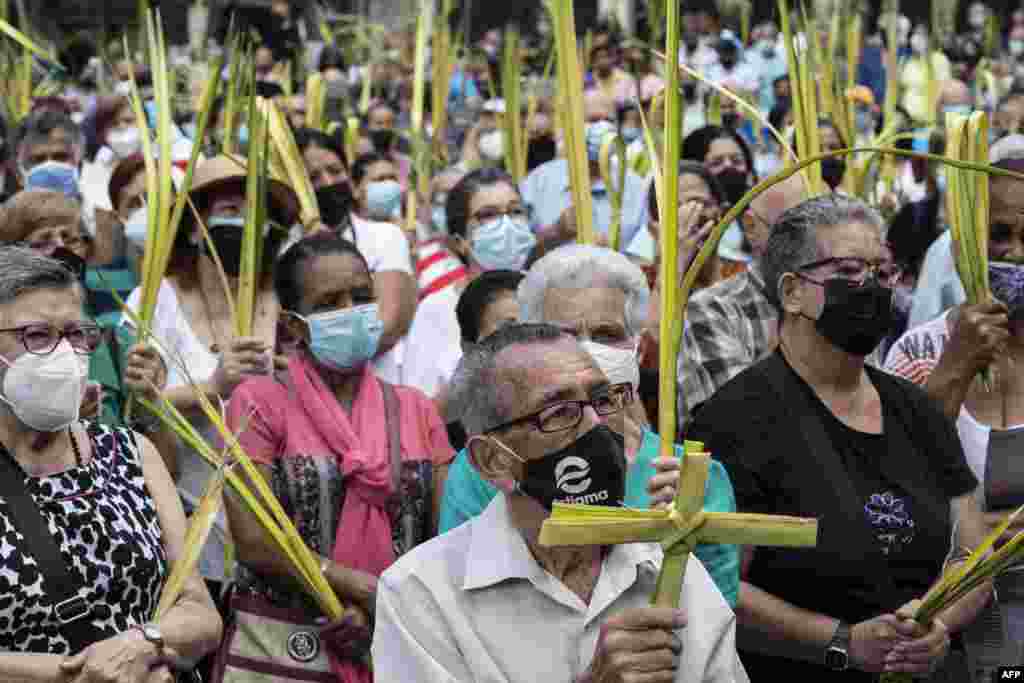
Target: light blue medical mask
(439, 219)
(346, 338)
(53, 175)
(136, 228)
(596, 134)
(964, 109)
(383, 199)
(631, 134)
(504, 243)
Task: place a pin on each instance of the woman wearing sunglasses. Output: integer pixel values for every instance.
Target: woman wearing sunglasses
(90, 521)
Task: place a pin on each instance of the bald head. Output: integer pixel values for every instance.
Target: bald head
(598, 107)
(766, 209)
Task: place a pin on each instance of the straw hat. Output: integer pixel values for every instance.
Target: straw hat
(222, 171)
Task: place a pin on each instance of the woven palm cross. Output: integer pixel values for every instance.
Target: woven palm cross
(678, 529)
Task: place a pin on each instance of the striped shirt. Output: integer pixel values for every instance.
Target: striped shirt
(436, 267)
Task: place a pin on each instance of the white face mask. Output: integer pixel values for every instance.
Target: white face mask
(125, 142)
(492, 145)
(45, 392)
(136, 228)
(618, 365)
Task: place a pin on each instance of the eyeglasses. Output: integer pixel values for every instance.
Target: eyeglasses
(41, 339)
(564, 415)
(857, 270)
(488, 215)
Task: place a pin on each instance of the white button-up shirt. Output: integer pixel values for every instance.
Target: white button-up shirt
(474, 605)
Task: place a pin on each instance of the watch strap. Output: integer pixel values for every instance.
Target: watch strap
(841, 637)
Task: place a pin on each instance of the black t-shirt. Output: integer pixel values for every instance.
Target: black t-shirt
(882, 501)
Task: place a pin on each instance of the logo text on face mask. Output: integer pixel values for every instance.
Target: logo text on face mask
(572, 475)
(589, 499)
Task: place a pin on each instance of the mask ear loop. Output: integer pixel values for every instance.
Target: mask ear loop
(515, 482)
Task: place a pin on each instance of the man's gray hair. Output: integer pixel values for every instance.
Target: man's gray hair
(25, 270)
(580, 266)
(475, 386)
(794, 239)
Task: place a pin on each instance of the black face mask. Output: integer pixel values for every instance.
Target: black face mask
(855, 319)
(731, 121)
(71, 260)
(335, 202)
(590, 470)
(832, 171)
(728, 62)
(733, 183)
(542, 150)
(382, 139)
(227, 241)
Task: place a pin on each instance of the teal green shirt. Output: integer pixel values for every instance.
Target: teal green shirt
(466, 494)
(107, 363)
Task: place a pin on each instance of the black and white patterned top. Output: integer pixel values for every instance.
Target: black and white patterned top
(106, 526)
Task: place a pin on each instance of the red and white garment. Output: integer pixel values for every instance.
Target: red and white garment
(436, 267)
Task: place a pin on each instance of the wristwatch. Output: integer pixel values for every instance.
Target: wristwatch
(153, 635)
(837, 657)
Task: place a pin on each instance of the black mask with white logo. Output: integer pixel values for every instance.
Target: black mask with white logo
(591, 470)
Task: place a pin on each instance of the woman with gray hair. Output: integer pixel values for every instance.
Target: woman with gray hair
(600, 297)
(91, 522)
(893, 470)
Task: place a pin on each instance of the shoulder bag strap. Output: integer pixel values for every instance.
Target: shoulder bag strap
(68, 607)
(394, 425)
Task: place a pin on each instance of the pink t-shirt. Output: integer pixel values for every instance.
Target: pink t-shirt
(275, 430)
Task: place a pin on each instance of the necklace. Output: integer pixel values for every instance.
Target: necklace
(214, 336)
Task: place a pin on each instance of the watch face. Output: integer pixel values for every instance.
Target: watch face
(836, 659)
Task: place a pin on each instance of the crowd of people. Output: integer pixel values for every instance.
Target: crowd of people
(419, 393)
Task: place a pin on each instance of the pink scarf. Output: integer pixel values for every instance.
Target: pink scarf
(360, 444)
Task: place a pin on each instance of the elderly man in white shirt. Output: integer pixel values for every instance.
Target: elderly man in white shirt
(487, 603)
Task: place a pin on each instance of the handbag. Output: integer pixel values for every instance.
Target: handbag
(266, 642)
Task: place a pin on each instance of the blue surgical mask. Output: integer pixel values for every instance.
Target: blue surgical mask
(503, 244)
(631, 134)
(53, 175)
(964, 109)
(596, 134)
(865, 121)
(383, 199)
(136, 228)
(346, 338)
(439, 219)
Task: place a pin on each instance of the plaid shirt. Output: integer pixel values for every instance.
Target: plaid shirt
(729, 327)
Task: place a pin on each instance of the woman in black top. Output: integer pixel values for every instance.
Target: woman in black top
(869, 455)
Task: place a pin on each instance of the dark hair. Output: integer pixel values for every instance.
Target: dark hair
(106, 110)
(123, 174)
(698, 143)
(777, 117)
(288, 278)
(686, 168)
(827, 123)
(362, 164)
(306, 138)
(39, 125)
(478, 295)
(461, 196)
(331, 57)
